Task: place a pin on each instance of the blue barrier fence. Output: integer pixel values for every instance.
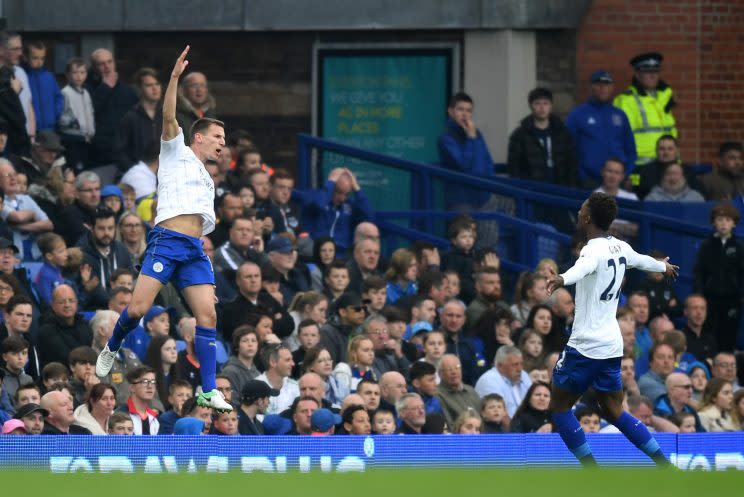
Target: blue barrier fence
(675, 228)
(172, 454)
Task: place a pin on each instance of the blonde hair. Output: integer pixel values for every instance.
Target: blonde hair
(354, 346)
(470, 413)
(399, 263)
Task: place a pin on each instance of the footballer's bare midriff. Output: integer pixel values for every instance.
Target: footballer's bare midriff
(188, 224)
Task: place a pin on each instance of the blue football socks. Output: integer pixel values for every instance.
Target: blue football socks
(573, 436)
(206, 352)
(638, 434)
(123, 326)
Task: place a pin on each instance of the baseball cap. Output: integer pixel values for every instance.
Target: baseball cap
(5, 243)
(112, 191)
(275, 424)
(156, 311)
(348, 299)
(280, 244)
(601, 76)
(13, 424)
(27, 409)
(323, 419)
(188, 426)
(257, 389)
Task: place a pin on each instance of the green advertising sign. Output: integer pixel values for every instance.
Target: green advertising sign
(391, 102)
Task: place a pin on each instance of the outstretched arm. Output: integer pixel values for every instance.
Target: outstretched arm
(170, 125)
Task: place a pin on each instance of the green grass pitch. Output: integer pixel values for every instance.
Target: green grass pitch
(386, 483)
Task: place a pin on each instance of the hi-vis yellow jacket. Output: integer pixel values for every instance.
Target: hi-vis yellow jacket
(650, 117)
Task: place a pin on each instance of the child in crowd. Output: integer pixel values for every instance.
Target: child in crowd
(461, 256)
(54, 252)
(424, 381)
(546, 267)
(336, 281)
(122, 277)
(533, 351)
(308, 335)
(717, 275)
(685, 421)
(374, 294)
(120, 424)
(361, 357)
(52, 374)
(661, 295)
(468, 423)
(14, 351)
(454, 286)
(589, 419)
(531, 289)
(155, 322)
(383, 422)
(46, 97)
(82, 363)
(21, 183)
(401, 276)
(77, 124)
(493, 413)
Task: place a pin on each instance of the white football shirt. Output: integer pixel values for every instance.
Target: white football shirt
(598, 275)
(184, 185)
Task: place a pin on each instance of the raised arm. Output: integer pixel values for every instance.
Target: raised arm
(170, 125)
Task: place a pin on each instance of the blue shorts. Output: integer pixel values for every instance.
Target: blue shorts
(173, 256)
(575, 373)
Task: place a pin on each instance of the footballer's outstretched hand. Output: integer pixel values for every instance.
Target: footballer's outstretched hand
(555, 281)
(671, 270)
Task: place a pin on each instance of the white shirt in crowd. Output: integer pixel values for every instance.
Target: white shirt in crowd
(289, 391)
(598, 275)
(513, 392)
(142, 179)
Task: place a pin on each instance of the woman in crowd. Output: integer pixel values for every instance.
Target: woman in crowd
(95, 412)
(541, 320)
(491, 331)
(717, 408)
(468, 423)
(240, 367)
(533, 414)
(739, 408)
(162, 356)
(306, 305)
(318, 360)
(531, 289)
(533, 350)
(131, 232)
(699, 377)
(401, 276)
(55, 192)
(435, 346)
(361, 356)
(9, 286)
(324, 252)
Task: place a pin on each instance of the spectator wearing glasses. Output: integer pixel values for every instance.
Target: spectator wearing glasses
(677, 399)
(142, 387)
(724, 366)
(64, 329)
(131, 233)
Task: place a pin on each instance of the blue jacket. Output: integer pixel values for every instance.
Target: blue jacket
(137, 341)
(468, 156)
(47, 98)
(600, 131)
(48, 278)
(432, 404)
(663, 407)
(395, 292)
(322, 218)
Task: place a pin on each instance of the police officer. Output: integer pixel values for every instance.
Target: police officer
(648, 103)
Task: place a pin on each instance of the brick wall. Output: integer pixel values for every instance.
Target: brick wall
(701, 41)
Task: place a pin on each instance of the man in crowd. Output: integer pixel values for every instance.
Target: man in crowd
(102, 325)
(661, 364)
(142, 125)
(366, 258)
(64, 329)
(392, 387)
(338, 330)
(32, 416)
(254, 401)
(541, 148)
(76, 218)
(676, 400)
(102, 251)
(412, 414)
(487, 296)
(112, 99)
(701, 344)
(60, 419)
(454, 395)
(725, 181)
(458, 342)
(724, 366)
(229, 206)
(507, 378)
(295, 276)
(335, 209)
(243, 244)
(389, 354)
(279, 364)
(195, 101)
(648, 104)
(600, 131)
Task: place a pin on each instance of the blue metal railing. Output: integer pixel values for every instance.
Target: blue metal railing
(525, 195)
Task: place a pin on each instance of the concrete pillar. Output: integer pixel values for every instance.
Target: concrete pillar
(500, 69)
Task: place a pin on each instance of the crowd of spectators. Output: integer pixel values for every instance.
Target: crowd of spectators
(318, 333)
